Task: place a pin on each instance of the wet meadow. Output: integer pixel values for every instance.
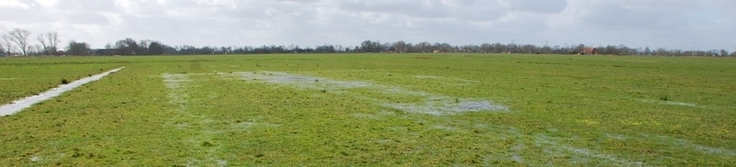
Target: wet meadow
(373, 110)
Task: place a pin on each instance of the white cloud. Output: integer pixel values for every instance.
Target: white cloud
(47, 3)
(13, 4)
(706, 24)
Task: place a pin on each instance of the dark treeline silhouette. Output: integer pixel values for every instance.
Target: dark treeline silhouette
(147, 47)
(16, 43)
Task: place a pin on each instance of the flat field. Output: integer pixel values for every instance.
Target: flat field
(373, 110)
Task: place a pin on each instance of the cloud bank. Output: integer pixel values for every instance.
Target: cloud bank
(674, 24)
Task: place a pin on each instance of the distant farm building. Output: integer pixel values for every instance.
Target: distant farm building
(588, 51)
(108, 52)
(389, 49)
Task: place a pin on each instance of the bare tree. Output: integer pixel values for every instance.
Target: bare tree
(42, 39)
(35, 50)
(49, 42)
(7, 44)
(20, 38)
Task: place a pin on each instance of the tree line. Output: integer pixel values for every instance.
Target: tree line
(16, 42)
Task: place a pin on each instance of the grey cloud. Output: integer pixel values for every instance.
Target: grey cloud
(349, 22)
(523, 21)
(432, 9)
(407, 8)
(85, 18)
(25, 16)
(85, 5)
(537, 6)
(615, 16)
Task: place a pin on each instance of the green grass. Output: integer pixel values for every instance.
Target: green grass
(340, 110)
(22, 77)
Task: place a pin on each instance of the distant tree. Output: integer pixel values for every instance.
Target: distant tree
(546, 49)
(226, 50)
(206, 50)
(486, 48)
(629, 51)
(370, 46)
(400, 46)
(109, 49)
(296, 49)
(155, 48)
(661, 52)
(7, 44)
(42, 39)
(36, 50)
(142, 47)
(528, 48)
(20, 38)
(424, 47)
(126, 46)
(325, 49)
(724, 53)
(187, 49)
(579, 48)
(339, 48)
(78, 48)
(49, 42)
(446, 47)
(385, 46)
(169, 50)
(366, 46)
(130, 47)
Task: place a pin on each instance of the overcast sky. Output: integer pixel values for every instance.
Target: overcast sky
(674, 24)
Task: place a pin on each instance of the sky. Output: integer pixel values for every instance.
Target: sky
(671, 24)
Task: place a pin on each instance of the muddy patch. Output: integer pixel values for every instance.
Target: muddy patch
(427, 103)
(19, 105)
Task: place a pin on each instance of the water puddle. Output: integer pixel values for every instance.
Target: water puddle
(556, 146)
(674, 103)
(19, 105)
(428, 103)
